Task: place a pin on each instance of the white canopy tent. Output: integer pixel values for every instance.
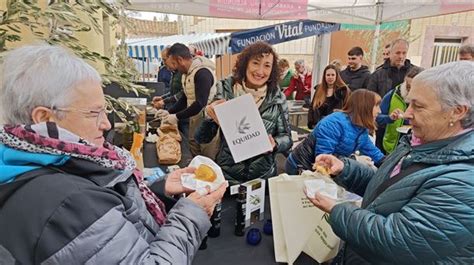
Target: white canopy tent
(365, 12)
(339, 11)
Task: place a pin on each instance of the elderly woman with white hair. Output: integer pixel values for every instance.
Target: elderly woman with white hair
(418, 207)
(66, 195)
(300, 82)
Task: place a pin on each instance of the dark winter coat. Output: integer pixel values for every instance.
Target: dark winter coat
(337, 135)
(274, 113)
(388, 77)
(316, 114)
(356, 79)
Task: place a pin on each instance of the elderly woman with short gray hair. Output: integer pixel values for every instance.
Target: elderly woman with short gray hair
(300, 82)
(418, 207)
(66, 195)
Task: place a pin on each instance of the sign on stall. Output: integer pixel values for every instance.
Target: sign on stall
(282, 32)
(243, 128)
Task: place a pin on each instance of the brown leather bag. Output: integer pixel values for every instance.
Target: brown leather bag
(168, 146)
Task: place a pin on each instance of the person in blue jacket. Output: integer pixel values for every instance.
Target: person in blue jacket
(164, 75)
(341, 133)
(418, 206)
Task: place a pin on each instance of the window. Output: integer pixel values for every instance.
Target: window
(445, 50)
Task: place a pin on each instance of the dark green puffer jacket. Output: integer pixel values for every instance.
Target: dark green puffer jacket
(274, 112)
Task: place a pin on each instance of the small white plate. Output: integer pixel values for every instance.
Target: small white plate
(404, 129)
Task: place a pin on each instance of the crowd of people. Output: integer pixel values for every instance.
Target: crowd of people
(68, 196)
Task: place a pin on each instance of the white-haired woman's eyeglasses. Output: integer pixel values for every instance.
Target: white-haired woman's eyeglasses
(98, 115)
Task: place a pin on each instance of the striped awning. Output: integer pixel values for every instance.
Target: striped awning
(214, 46)
(145, 51)
(209, 43)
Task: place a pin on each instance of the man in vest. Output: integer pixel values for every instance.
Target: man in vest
(175, 93)
(199, 87)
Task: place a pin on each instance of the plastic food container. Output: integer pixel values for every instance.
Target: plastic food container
(295, 105)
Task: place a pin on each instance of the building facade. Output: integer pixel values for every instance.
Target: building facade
(439, 38)
(102, 43)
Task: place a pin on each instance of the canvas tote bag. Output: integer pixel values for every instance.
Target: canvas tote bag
(298, 226)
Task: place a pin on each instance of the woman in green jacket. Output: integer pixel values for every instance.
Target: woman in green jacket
(392, 107)
(285, 74)
(418, 207)
(256, 72)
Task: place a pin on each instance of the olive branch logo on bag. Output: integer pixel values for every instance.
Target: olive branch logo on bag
(326, 218)
(243, 126)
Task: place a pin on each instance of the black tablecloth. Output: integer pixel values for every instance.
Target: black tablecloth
(231, 249)
(228, 248)
(150, 156)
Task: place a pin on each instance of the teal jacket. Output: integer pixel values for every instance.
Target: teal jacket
(425, 218)
(274, 113)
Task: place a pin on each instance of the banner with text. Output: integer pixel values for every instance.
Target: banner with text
(281, 33)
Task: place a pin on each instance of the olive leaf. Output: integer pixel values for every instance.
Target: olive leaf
(59, 22)
(326, 218)
(243, 126)
(254, 199)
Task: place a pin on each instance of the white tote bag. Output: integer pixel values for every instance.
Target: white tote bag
(298, 226)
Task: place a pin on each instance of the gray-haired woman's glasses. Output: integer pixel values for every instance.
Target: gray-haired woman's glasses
(91, 114)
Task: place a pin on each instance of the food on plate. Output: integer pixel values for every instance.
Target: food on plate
(322, 169)
(205, 173)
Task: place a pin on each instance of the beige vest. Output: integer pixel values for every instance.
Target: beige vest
(187, 79)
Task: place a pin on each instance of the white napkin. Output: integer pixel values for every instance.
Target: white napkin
(314, 186)
(151, 138)
(189, 181)
(326, 186)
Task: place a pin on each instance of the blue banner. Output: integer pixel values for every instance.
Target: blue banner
(281, 33)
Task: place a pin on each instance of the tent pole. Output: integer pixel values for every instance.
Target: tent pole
(322, 45)
(148, 71)
(316, 62)
(221, 61)
(375, 43)
(143, 70)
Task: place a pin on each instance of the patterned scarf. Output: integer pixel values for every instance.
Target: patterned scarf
(258, 94)
(48, 138)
